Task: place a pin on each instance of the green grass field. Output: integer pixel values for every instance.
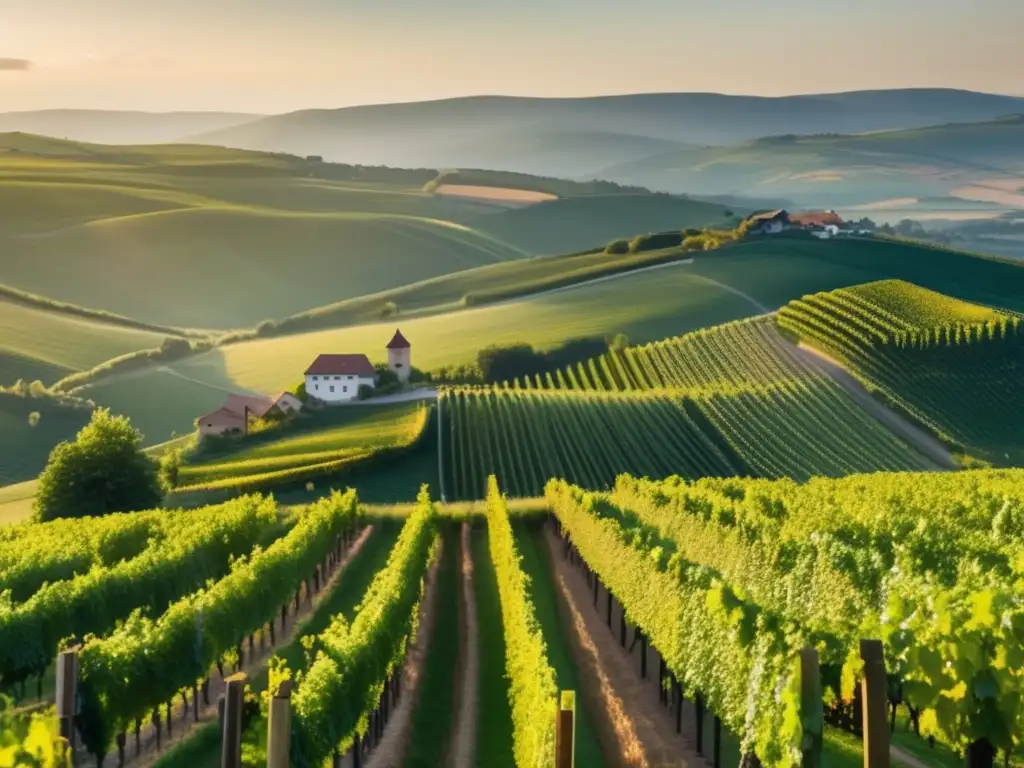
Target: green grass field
(45, 345)
(321, 437)
(674, 301)
(221, 238)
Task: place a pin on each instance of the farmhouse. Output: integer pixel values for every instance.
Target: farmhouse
(337, 378)
(769, 223)
(234, 415)
(815, 219)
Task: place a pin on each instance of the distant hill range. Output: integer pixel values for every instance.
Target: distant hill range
(581, 137)
(960, 159)
(116, 127)
(576, 137)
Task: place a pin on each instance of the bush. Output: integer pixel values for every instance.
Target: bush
(389, 309)
(656, 242)
(33, 418)
(104, 470)
(385, 376)
(617, 247)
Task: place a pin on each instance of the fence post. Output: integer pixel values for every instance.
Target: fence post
(67, 693)
(231, 726)
(699, 706)
(279, 726)
(716, 757)
(875, 705)
(565, 731)
(812, 716)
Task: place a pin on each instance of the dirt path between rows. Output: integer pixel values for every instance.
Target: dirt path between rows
(641, 732)
(463, 748)
(391, 751)
(183, 723)
(931, 449)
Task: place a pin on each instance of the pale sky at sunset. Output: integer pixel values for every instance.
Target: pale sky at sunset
(264, 56)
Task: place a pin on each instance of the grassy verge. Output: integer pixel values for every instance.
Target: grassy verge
(435, 711)
(494, 714)
(545, 603)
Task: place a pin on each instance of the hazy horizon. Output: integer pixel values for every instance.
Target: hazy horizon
(252, 56)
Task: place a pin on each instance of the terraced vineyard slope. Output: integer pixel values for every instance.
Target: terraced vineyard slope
(953, 365)
(737, 399)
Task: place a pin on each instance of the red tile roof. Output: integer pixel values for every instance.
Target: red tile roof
(222, 417)
(336, 365)
(398, 341)
(258, 406)
(817, 218)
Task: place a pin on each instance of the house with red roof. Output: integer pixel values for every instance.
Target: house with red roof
(234, 415)
(336, 378)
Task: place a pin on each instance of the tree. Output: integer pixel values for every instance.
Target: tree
(104, 470)
(389, 309)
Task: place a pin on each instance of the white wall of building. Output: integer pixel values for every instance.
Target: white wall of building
(400, 361)
(336, 389)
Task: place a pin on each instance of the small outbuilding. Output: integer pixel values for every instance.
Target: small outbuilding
(234, 415)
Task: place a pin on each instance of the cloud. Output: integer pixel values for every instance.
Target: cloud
(15, 65)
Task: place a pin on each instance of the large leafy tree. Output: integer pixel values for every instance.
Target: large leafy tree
(103, 470)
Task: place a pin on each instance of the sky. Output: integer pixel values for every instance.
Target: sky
(269, 57)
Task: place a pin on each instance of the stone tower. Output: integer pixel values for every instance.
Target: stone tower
(400, 356)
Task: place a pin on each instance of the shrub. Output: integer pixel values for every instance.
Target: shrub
(33, 418)
(617, 247)
(656, 242)
(104, 470)
(389, 309)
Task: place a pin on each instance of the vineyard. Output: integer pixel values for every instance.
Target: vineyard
(731, 579)
(737, 399)
(954, 366)
(748, 601)
(275, 461)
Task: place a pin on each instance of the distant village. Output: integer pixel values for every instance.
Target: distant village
(331, 379)
(821, 224)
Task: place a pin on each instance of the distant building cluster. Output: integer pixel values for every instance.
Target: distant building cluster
(822, 224)
(330, 379)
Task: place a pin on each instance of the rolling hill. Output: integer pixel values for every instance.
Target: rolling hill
(207, 237)
(846, 169)
(119, 127)
(526, 133)
(734, 282)
(953, 365)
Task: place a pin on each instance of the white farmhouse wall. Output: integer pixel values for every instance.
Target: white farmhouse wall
(336, 389)
(400, 361)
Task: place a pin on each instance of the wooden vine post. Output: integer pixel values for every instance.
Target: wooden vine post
(231, 725)
(812, 713)
(875, 700)
(67, 693)
(279, 726)
(565, 731)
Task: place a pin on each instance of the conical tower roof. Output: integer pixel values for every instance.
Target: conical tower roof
(398, 341)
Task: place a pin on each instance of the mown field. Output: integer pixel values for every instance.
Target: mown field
(320, 449)
(47, 345)
(220, 238)
(674, 301)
